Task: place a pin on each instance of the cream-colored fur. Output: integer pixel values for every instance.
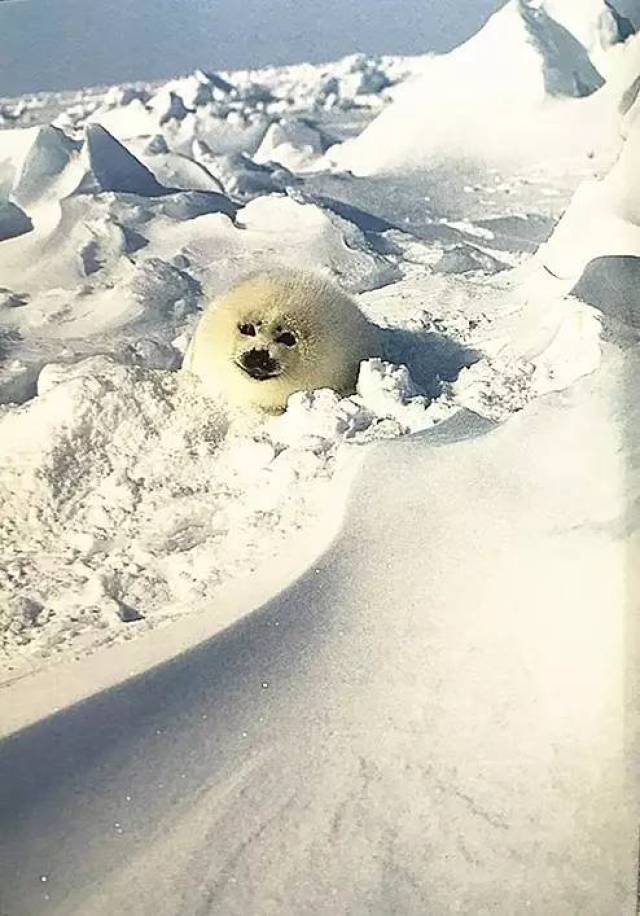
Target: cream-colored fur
(300, 329)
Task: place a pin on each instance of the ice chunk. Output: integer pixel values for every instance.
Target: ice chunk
(462, 259)
(13, 221)
(48, 158)
(111, 167)
(295, 144)
(241, 176)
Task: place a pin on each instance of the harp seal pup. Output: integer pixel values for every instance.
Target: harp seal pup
(277, 332)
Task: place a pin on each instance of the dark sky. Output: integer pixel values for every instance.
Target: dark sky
(56, 44)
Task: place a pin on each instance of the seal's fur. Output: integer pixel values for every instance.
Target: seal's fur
(278, 332)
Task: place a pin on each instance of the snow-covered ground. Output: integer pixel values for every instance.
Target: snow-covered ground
(430, 720)
(127, 498)
(439, 713)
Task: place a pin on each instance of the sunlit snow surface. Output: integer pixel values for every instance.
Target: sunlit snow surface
(432, 707)
(127, 497)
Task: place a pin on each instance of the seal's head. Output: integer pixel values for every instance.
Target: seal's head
(279, 332)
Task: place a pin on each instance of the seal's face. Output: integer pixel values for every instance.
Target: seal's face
(277, 333)
(265, 350)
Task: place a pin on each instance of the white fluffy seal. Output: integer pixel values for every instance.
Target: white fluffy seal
(278, 332)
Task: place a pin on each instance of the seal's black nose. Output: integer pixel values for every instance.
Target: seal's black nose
(259, 364)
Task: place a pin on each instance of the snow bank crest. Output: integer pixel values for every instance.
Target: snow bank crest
(490, 98)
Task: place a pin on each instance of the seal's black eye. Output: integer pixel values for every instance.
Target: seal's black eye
(286, 338)
(247, 329)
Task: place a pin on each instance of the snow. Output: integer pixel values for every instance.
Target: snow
(132, 206)
(16, 143)
(120, 462)
(293, 144)
(596, 24)
(45, 165)
(448, 542)
(242, 177)
(522, 89)
(467, 743)
(603, 218)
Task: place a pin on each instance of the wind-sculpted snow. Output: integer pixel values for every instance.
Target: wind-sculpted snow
(603, 218)
(46, 162)
(429, 719)
(129, 467)
(293, 144)
(596, 24)
(511, 94)
(111, 167)
(127, 497)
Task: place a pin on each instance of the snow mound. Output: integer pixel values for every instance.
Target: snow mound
(49, 158)
(175, 170)
(240, 176)
(295, 144)
(111, 470)
(311, 234)
(390, 392)
(602, 219)
(127, 121)
(14, 149)
(271, 229)
(491, 98)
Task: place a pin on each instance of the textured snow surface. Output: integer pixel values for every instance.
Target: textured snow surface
(500, 97)
(127, 497)
(371, 655)
(429, 720)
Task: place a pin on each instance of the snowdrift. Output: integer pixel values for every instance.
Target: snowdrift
(603, 218)
(430, 718)
(514, 93)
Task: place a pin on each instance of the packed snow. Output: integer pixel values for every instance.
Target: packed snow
(498, 98)
(128, 498)
(374, 653)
